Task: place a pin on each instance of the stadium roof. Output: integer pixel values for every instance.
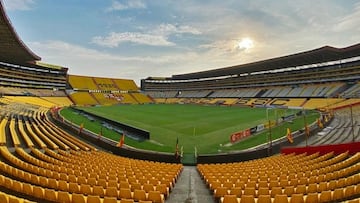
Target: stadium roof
(320, 55)
(12, 49)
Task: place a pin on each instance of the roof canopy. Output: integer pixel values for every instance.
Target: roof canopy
(320, 55)
(12, 49)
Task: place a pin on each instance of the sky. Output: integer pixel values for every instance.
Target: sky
(136, 39)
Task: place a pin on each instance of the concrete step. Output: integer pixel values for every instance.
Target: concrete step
(190, 188)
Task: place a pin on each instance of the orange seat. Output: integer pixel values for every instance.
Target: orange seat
(264, 199)
(297, 198)
(229, 199)
(98, 191)
(78, 198)
(140, 195)
(156, 197)
(85, 189)
(311, 198)
(281, 198)
(276, 191)
(109, 200)
(247, 199)
(111, 192)
(325, 196)
(64, 197)
(125, 193)
(93, 199)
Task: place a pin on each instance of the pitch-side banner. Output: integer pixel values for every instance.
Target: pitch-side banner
(240, 135)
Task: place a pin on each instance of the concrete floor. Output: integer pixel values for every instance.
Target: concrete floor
(190, 188)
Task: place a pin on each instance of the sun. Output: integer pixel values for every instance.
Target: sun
(245, 43)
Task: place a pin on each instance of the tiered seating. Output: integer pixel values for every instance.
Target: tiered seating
(32, 100)
(61, 168)
(320, 103)
(285, 178)
(83, 98)
(141, 98)
(124, 84)
(82, 82)
(59, 101)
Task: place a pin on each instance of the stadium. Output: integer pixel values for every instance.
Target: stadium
(285, 129)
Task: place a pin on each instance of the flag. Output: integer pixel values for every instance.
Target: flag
(177, 148)
(100, 133)
(307, 130)
(81, 127)
(289, 136)
(121, 141)
(320, 123)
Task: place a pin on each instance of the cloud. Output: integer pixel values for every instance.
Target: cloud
(18, 4)
(91, 62)
(131, 4)
(350, 21)
(156, 37)
(114, 39)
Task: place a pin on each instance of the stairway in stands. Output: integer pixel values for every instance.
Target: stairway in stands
(190, 188)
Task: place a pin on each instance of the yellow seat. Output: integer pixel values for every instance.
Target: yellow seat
(163, 189)
(28, 188)
(236, 191)
(263, 184)
(38, 192)
(156, 197)
(300, 189)
(129, 201)
(50, 194)
(140, 195)
(338, 194)
(297, 198)
(349, 191)
(289, 190)
(114, 183)
(102, 182)
(91, 181)
(111, 192)
(17, 186)
(110, 200)
(78, 198)
(229, 199)
(85, 189)
(64, 197)
(148, 187)
(220, 192)
(276, 191)
(98, 191)
(325, 196)
(125, 193)
(264, 199)
(281, 198)
(263, 191)
(312, 188)
(74, 188)
(4, 198)
(13, 199)
(247, 199)
(93, 199)
(322, 187)
(312, 198)
(250, 191)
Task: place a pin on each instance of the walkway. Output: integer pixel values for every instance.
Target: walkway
(190, 188)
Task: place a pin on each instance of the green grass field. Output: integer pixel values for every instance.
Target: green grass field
(208, 128)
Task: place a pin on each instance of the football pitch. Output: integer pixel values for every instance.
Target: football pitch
(206, 128)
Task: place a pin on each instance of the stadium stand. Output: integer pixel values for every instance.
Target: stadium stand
(42, 162)
(292, 176)
(104, 91)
